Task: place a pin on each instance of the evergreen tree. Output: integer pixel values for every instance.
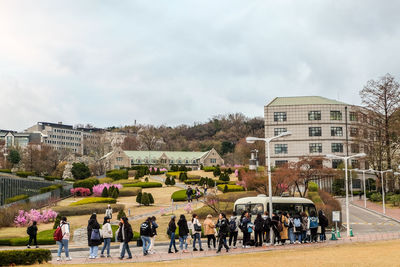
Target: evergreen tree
(80, 171)
(158, 171)
(57, 221)
(217, 171)
(114, 194)
(167, 181)
(225, 188)
(145, 199)
(111, 191)
(121, 214)
(105, 192)
(146, 179)
(151, 199)
(172, 181)
(14, 157)
(139, 198)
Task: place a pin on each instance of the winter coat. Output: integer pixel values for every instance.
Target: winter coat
(237, 220)
(245, 222)
(209, 227)
(93, 224)
(259, 224)
(32, 230)
(223, 227)
(107, 231)
(267, 222)
(172, 226)
(323, 221)
(125, 233)
(183, 228)
(284, 233)
(154, 227)
(109, 212)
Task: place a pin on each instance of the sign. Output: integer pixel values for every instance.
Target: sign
(335, 216)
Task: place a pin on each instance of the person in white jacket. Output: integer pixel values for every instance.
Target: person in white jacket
(65, 239)
(196, 231)
(107, 235)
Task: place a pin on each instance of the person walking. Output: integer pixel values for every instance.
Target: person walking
(313, 226)
(63, 243)
(223, 232)
(145, 234)
(292, 238)
(183, 233)
(258, 230)
(267, 227)
(297, 227)
(234, 223)
(196, 230)
(109, 211)
(125, 235)
(197, 193)
(209, 231)
(154, 227)
(171, 232)
(246, 229)
(107, 235)
(94, 238)
(32, 232)
(323, 223)
(189, 194)
(304, 228)
(276, 228)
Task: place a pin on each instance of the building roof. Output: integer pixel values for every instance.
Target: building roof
(170, 154)
(303, 100)
(55, 125)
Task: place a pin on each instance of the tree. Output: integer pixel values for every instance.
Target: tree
(121, 214)
(130, 143)
(182, 176)
(114, 194)
(80, 170)
(167, 181)
(14, 157)
(139, 198)
(105, 192)
(145, 199)
(172, 181)
(151, 199)
(224, 177)
(217, 171)
(225, 188)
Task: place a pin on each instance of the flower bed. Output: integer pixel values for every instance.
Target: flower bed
(98, 189)
(80, 191)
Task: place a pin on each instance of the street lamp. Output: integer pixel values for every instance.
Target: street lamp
(251, 140)
(383, 187)
(364, 185)
(345, 159)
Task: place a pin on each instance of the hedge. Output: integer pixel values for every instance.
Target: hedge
(209, 169)
(88, 209)
(105, 180)
(129, 191)
(24, 257)
(231, 188)
(16, 198)
(170, 174)
(43, 238)
(144, 184)
(90, 200)
(50, 188)
(25, 174)
(180, 195)
(86, 183)
(5, 170)
(117, 174)
(52, 178)
(192, 181)
(126, 181)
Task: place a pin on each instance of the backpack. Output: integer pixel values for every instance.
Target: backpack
(313, 222)
(232, 225)
(297, 222)
(58, 236)
(259, 225)
(144, 229)
(95, 235)
(279, 226)
(267, 224)
(29, 230)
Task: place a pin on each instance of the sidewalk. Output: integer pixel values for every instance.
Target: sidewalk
(377, 207)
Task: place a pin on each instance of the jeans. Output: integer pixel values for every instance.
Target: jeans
(222, 242)
(292, 238)
(32, 238)
(266, 236)
(196, 236)
(299, 236)
(146, 243)
(107, 243)
(125, 246)
(182, 240)
(93, 251)
(322, 236)
(233, 236)
(209, 239)
(61, 244)
(304, 236)
(172, 242)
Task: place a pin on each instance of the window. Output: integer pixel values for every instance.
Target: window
(336, 131)
(119, 158)
(353, 132)
(336, 163)
(314, 131)
(355, 163)
(315, 148)
(336, 115)
(213, 160)
(279, 116)
(171, 161)
(355, 148)
(278, 131)
(353, 116)
(337, 147)
(279, 163)
(186, 161)
(281, 149)
(314, 115)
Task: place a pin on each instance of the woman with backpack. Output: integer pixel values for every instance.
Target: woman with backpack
(32, 232)
(313, 225)
(125, 235)
(107, 235)
(62, 235)
(209, 231)
(171, 232)
(304, 228)
(297, 227)
(276, 228)
(223, 232)
(234, 223)
(196, 230)
(285, 227)
(94, 238)
(258, 230)
(154, 227)
(246, 227)
(183, 233)
(323, 222)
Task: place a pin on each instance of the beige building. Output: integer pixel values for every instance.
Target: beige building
(318, 126)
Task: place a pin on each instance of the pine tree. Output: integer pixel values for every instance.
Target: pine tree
(105, 192)
(110, 191)
(225, 188)
(114, 194)
(167, 181)
(151, 199)
(139, 198)
(121, 214)
(172, 181)
(145, 199)
(57, 221)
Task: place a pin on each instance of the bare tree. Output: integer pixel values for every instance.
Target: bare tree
(149, 137)
(130, 143)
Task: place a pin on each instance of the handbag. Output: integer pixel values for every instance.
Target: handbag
(197, 227)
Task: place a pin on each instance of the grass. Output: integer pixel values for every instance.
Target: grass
(90, 200)
(231, 188)
(144, 184)
(43, 238)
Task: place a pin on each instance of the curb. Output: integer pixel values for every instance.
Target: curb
(376, 212)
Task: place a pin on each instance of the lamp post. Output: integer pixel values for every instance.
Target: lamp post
(383, 187)
(251, 140)
(364, 185)
(345, 159)
(351, 186)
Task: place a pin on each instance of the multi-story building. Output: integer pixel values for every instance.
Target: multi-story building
(15, 139)
(319, 126)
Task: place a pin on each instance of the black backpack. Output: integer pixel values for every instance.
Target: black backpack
(232, 225)
(267, 223)
(29, 230)
(145, 229)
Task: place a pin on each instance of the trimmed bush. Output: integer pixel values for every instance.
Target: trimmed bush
(105, 192)
(183, 176)
(172, 181)
(80, 170)
(87, 209)
(129, 191)
(145, 199)
(167, 181)
(24, 257)
(151, 199)
(180, 195)
(16, 198)
(193, 176)
(174, 173)
(126, 181)
(5, 170)
(52, 178)
(312, 187)
(230, 188)
(43, 238)
(376, 197)
(209, 169)
(144, 185)
(105, 180)
(50, 188)
(121, 214)
(86, 183)
(117, 174)
(24, 174)
(139, 197)
(90, 200)
(224, 177)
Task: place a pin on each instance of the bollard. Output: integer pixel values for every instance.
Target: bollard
(351, 232)
(333, 237)
(338, 233)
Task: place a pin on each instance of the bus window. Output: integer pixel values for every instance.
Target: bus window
(307, 208)
(298, 208)
(253, 209)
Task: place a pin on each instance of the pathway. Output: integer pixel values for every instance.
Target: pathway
(377, 207)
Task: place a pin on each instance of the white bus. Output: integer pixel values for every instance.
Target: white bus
(260, 204)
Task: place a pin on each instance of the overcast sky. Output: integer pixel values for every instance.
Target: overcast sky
(179, 62)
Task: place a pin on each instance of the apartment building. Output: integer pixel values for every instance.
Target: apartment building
(319, 126)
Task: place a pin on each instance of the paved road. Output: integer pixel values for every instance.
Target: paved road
(364, 222)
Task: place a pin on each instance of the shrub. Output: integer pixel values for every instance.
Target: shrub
(114, 194)
(117, 174)
(24, 174)
(52, 178)
(125, 181)
(139, 197)
(172, 181)
(224, 177)
(50, 188)
(217, 171)
(121, 214)
(7, 214)
(192, 181)
(312, 187)
(145, 199)
(24, 217)
(98, 189)
(16, 198)
(183, 176)
(180, 195)
(106, 180)
(129, 191)
(105, 192)
(57, 221)
(151, 199)
(175, 173)
(395, 199)
(230, 188)
(376, 197)
(87, 209)
(80, 191)
(146, 179)
(24, 257)
(86, 183)
(91, 200)
(5, 170)
(314, 196)
(193, 176)
(208, 169)
(144, 185)
(80, 171)
(167, 181)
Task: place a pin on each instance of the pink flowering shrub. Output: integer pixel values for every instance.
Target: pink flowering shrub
(98, 189)
(24, 217)
(188, 208)
(237, 173)
(163, 170)
(80, 191)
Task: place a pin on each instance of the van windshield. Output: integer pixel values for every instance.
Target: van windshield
(253, 209)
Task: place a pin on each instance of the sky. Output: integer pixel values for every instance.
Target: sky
(109, 63)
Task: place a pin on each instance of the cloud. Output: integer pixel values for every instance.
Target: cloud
(173, 62)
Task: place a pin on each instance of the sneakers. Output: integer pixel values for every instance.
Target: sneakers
(101, 256)
(108, 256)
(234, 247)
(170, 251)
(194, 249)
(58, 258)
(28, 246)
(69, 258)
(201, 249)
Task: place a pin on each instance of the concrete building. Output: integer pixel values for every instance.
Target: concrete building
(318, 126)
(15, 139)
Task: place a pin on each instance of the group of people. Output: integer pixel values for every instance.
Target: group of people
(196, 194)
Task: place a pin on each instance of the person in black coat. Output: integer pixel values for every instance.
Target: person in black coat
(94, 238)
(183, 232)
(275, 221)
(258, 230)
(223, 232)
(171, 232)
(125, 235)
(323, 222)
(32, 232)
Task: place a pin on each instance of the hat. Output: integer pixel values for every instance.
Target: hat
(209, 216)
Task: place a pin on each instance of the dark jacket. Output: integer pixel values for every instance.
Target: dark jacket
(223, 227)
(323, 221)
(172, 226)
(244, 225)
(259, 224)
(32, 230)
(126, 228)
(92, 224)
(145, 229)
(275, 222)
(183, 228)
(154, 227)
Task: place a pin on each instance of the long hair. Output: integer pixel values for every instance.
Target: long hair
(194, 216)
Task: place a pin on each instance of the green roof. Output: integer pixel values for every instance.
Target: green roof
(303, 100)
(135, 154)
